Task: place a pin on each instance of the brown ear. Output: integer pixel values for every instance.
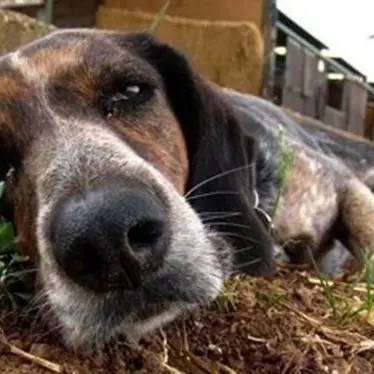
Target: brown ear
(220, 155)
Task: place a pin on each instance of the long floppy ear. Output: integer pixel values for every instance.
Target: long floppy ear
(221, 158)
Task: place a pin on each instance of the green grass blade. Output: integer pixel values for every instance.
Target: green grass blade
(159, 16)
(6, 236)
(2, 189)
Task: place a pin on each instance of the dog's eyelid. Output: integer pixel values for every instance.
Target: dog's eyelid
(132, 87)
(118, 100)
(126, 92)
(118, 81)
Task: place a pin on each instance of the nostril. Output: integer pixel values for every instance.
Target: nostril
(84, 261)
(145, 235)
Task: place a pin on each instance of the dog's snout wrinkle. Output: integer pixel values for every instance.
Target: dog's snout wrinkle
(112, 237)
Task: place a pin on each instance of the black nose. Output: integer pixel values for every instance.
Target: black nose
(110, 237)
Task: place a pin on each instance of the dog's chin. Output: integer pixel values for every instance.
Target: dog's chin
(88, 320)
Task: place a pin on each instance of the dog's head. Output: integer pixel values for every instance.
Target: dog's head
(107, 133)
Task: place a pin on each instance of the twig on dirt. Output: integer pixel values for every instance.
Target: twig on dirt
(225, 368)
(186, 346)
(256, 340)
(316, 339)
(331, 333)
(318, 282)
(164, 346)
(361, 288)
(366, 345)
(311, 320)
(207, 367)
(55, 368)
(171, 369)
(159, 357)
(289, 363)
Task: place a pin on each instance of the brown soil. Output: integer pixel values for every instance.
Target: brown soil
(282, 325)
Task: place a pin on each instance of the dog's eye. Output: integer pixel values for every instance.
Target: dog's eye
(124, 98)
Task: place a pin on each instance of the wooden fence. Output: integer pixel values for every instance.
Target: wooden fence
(303, 85)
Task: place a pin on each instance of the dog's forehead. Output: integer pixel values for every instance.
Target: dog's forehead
(62, 51)
(65, 40)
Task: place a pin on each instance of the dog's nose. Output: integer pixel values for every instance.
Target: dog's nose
(110, 237)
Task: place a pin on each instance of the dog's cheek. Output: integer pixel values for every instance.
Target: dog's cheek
(166, 149)
(177, 166)
(174, 146)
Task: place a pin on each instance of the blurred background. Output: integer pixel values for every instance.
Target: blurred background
(313, 57)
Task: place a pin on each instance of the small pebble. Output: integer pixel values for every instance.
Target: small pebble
(199, 325)
(214, 348)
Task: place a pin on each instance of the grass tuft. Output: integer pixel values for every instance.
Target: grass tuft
(274, 297)
(349, 305)
(285, 164)
(226, 299)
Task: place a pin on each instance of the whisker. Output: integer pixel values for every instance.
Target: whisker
(241, 266)
(219, 175)
(212, 194)
(34, 304)
(241, 250)
(233, 234)
(232, 224)
(23, 272)
(218, 212)
(222, 216)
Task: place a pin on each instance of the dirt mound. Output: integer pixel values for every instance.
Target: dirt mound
(283, 325)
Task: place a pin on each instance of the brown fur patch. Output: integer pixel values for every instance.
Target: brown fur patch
(159, 140)
(48, 62)
(10, 87)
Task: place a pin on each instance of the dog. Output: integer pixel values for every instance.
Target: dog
(113, 149)
(326, 208)
(137, 186)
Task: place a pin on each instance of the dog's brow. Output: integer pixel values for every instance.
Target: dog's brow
(38, 66)
(20, 64)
